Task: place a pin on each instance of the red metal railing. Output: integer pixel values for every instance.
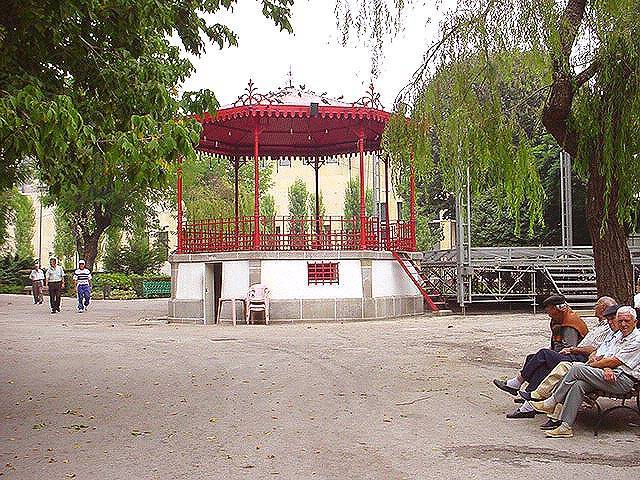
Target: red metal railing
(294, 233)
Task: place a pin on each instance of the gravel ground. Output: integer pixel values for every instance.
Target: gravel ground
(105, 395)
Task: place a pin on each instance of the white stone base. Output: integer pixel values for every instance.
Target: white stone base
(372, 285)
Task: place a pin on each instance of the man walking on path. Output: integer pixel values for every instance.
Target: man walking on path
(36, 277)
(82, 279)
(54, 279)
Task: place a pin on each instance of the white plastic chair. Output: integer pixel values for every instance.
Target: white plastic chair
(258, 301)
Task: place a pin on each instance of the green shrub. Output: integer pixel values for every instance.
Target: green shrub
(118, 294)
(119, 281)
(11, 288)
(14, 270)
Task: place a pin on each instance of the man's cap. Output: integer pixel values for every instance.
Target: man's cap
(554, 300)
(81, 261)
(611, 310)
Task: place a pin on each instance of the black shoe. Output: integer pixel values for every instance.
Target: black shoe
(551, 424)
(527, 396)
(519, 414)
(518, 400)
(502, 385)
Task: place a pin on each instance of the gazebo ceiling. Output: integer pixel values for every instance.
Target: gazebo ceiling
(293, 121)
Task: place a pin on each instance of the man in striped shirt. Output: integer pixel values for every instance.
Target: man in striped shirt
(82, 280)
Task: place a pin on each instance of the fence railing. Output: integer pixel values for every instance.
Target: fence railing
(295, 233)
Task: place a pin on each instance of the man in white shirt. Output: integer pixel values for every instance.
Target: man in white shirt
(36, 276)
(82, 280)
(615, 373)
(54, 279)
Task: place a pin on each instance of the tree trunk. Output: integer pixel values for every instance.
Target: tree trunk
(90, 250)
(608, 236)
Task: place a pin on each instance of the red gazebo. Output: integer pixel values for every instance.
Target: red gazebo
(295, 122)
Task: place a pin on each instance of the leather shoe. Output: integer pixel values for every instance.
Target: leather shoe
(502, 385)
(551, 424)
(527, 395)
(519, 414)
(518, 400)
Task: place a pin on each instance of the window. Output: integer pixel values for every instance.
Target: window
(383, 211)
(323, 273)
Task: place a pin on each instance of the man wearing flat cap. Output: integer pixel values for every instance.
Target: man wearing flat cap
(567, 330)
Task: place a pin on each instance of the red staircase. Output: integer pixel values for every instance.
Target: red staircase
(435, 301)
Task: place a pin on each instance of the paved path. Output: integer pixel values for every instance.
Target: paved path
(103, 396)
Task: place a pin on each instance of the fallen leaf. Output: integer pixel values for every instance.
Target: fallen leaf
(213, 419)
(77, 427)
(137, 433)
(70, 475)
(39, 426)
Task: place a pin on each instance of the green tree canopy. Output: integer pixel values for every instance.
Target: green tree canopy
(24, 224)
(89, 90)
(352, 200)
(64, 246)
(298, 199)
(208, 174)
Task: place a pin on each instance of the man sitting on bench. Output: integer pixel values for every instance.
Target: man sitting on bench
(567, 330)
(614, 374)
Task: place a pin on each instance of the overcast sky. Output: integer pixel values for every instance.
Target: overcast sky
(312, 52)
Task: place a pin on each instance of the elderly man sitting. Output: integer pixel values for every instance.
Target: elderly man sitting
(615, 374)
(566, 327)
(546, 387)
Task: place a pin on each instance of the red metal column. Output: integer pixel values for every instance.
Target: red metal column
(412, 204)
(179, 188)
(363, 212)
(256, 190)
(236, 193)
(386, 200)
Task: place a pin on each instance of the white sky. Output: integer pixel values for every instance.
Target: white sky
(312, 52)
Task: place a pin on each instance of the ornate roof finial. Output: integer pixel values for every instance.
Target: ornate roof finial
(371, 99)
(290, 77)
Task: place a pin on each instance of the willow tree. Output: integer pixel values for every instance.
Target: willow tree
(580, 63)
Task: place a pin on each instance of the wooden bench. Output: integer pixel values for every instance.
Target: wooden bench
(632, 394)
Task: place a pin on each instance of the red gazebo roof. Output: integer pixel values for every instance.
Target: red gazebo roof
(287, 126)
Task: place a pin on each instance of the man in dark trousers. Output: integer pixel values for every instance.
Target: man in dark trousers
(567, 330)
(54, 279)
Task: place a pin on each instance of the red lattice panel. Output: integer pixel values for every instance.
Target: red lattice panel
(323, 273)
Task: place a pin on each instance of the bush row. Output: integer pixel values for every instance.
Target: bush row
(117, 286)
